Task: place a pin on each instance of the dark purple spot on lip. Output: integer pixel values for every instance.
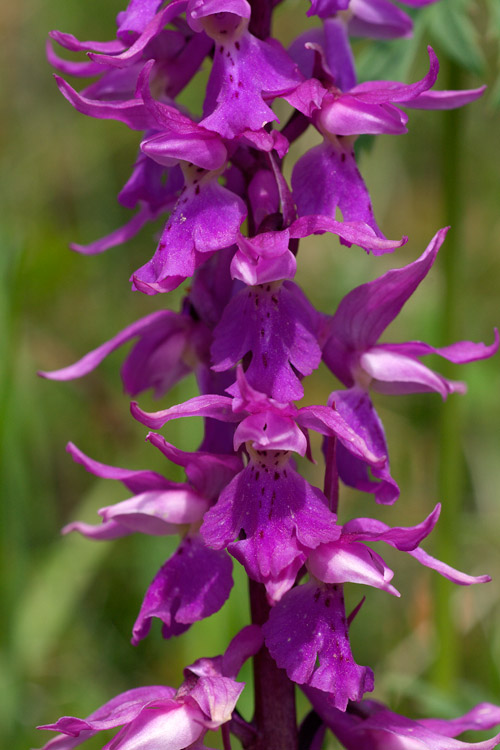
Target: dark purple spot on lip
(276, 475)
(237, 45)
(317, 594)
(264, 359)
(221, 49)
(197, 190)
(342, 157)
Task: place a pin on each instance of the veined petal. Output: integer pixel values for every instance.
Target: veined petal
(307, 635)
(193, 584)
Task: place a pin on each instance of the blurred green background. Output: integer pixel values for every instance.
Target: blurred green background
(68, 604)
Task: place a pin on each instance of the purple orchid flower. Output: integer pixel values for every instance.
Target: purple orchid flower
(158, 505)
(377, 19)
(371, 726)
(327, 176)
(193, 584)
(286, 507)
(307, 635)
(159, 716)
(247, 73)
(170, 346)
(308, 624)
(353, 355)
(347, 560)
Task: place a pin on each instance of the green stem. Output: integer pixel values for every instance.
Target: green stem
(447, 665)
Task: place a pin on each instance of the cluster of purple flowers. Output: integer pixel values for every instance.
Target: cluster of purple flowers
(250, 335)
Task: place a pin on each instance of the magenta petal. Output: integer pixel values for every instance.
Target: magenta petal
(460, 353)
(163, 320)
(403, 538)
(245, 73)
(208, 472)
(103, 532)
(374, 727)
(392, 372)
(172, 725)
(153, 28)
(445, 99)
(309, 626)
(201, 9)
(70, 42)
(350, 233)
(367, 310)
(453, 575)
(193, 584)
(327, 177)
(383, 92)
(244, 645)
(122, 709)
(70, 68)
(327, 421)
(217, 407)
(482, 716)
(278, 325)
(158, 513)
(136, 17)
(355, 406)
(263, 270)
(348, 115)
(118, 236)
(206, 218)
(280, 514)
(135, 481)
(217, 697)
(131, 112)
(334, 41)
(164, 354)
(267, 430)
(378, 19)
(350, 562)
